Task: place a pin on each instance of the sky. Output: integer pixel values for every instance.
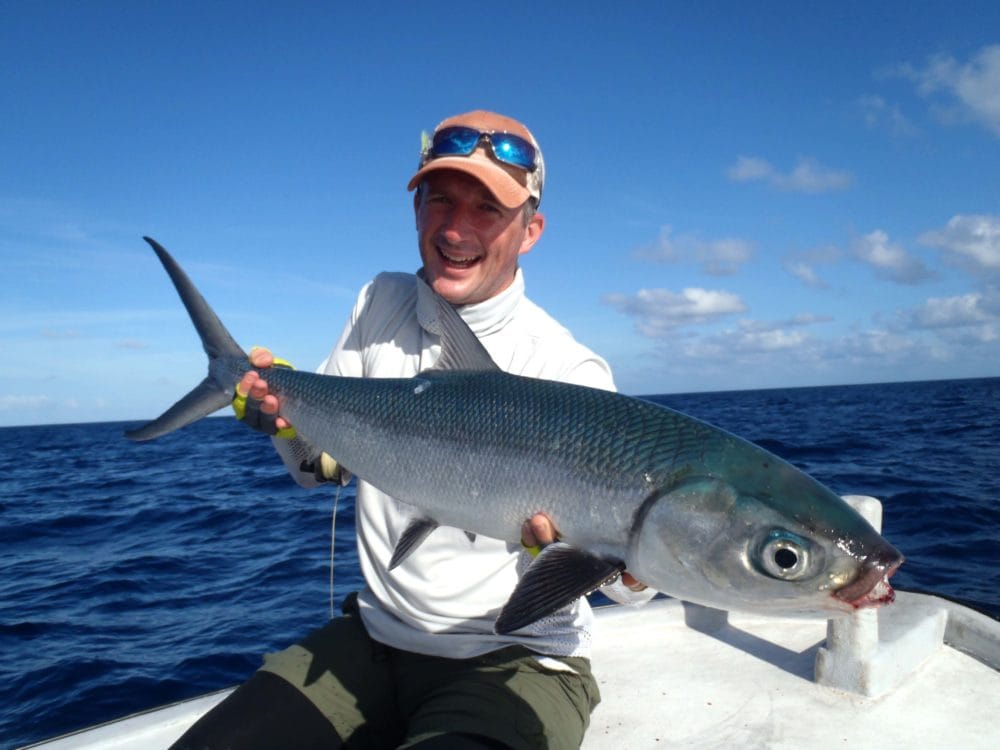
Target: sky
(738, 195)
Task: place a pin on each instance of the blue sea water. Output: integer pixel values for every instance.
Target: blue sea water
(133, 575)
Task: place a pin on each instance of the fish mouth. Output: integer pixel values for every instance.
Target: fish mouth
(871, 588)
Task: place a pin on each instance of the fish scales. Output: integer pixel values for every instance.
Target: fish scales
(523, 445)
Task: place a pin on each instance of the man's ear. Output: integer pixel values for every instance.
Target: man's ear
(532, 232)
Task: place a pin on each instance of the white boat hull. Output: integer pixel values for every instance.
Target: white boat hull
(678, 675)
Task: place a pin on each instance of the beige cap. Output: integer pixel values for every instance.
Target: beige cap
(511, 185)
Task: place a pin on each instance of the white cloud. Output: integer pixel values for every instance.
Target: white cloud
(802, 265)
(947, 312)
(724, 257)
(658, 312)
(808, 175)
(880, 114)
(968, 318)
(768, 340)
(808, 319)
(721, 257)
(757, 336)
(972, 240)
(751, 169)
(10, 402)
(890, 261)
(874, 348)
(971, 90)
(805, 273)
(754, 354)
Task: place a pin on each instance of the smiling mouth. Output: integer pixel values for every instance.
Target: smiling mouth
(458, 261)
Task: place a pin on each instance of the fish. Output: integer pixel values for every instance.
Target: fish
(689, 509)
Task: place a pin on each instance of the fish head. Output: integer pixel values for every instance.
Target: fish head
(785, 547)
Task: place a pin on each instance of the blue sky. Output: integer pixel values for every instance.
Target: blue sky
(739, 195)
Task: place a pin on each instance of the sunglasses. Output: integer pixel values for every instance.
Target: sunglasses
(507, 147)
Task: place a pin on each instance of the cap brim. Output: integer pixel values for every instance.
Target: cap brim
(508, 191)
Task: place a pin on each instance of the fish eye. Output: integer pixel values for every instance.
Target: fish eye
(785, 556)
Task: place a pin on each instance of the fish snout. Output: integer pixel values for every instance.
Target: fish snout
(870, 588)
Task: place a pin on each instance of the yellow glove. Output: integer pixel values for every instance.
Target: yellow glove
(326, 469)
(248, 411)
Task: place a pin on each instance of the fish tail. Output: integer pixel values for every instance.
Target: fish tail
(214, 392)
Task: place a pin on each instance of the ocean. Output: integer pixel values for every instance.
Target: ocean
(134, 575)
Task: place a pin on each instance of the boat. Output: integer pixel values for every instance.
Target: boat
(923, 672)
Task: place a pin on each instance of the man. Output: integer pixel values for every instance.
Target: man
(415, 661)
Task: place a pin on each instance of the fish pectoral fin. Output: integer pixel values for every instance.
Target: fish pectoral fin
(558, 576)
(411, 538)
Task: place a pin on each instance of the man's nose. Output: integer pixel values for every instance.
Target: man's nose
(457, 223)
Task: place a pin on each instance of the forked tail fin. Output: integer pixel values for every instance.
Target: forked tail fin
(213, 392)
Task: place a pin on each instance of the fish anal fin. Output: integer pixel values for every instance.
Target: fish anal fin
(411, 538)
(558, 576)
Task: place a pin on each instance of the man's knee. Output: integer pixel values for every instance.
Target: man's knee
(263, 713)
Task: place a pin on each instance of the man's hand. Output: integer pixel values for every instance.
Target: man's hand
(539, 530)
(254, 404)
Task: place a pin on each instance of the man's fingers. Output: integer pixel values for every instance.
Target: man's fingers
(261, 357)
(243, 387)
(269, 405)
(542, 529)
(538, 531)
(258, 389)
(528, 538)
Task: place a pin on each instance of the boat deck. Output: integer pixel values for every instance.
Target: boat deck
(678, 675)
(749, 684)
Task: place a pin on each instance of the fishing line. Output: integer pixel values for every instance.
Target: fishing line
(333, 543)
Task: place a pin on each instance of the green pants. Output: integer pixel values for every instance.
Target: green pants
(376, 696)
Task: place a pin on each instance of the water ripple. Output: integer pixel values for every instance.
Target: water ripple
(139, 574)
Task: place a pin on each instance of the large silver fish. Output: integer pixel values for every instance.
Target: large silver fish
(687, 508)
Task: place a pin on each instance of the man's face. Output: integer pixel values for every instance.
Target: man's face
(469, 242)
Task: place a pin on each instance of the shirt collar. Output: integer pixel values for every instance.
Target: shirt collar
(483, 318)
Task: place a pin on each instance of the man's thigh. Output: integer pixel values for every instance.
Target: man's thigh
(346, 675)
(509, 696)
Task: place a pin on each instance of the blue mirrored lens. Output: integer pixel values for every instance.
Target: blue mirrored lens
(461, 141)
(513, 150)
(455, 141)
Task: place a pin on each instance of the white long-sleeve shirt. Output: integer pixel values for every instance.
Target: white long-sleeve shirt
(443, 599)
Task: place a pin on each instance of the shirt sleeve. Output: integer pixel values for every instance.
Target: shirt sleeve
(591, 371)
(346, 359)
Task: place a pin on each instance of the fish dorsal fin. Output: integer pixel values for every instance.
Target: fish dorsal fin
(460, 349)
(413, 535)
(559, 575)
